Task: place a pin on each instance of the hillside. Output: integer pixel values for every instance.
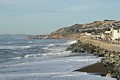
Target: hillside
(75, 30)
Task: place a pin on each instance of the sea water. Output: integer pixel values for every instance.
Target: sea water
(43, 59)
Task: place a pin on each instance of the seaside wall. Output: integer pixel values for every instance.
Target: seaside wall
(109, 52)
(101, 44)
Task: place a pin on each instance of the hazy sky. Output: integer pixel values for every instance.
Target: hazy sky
(45, 16)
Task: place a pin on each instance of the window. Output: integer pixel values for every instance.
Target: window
(117, 31)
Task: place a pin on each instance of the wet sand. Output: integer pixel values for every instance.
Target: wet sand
(97, 68)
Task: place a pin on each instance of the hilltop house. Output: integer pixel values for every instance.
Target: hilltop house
(113, 34)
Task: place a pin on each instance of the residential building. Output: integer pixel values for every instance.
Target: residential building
(113, 34)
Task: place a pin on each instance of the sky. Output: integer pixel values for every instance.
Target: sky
(45, 16)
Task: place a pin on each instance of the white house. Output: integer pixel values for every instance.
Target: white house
(102, 36)
(106, 35)
(115, 33)
(88, 34)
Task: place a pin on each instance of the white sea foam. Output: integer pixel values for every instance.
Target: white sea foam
(71, 42)
(14, 47)
(45, 48)
(8, 43)
(31, 55)
(51, 45)
(43, 66)
(17, 58)
(54, 54)
(52, 75)
(51, 69)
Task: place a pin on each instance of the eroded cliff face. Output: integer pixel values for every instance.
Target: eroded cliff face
(76, 30)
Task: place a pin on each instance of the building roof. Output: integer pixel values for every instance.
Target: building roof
(116, 28)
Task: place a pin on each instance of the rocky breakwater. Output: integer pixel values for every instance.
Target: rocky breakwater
(111, 59)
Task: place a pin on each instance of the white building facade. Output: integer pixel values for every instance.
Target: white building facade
(115, 33)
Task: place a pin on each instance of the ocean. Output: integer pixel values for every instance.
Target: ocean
(42, 59)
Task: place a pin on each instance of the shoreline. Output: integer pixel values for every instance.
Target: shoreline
(110, 61)
(101, 44)
(96, 69)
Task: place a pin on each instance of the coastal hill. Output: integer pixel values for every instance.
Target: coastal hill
(75, 30)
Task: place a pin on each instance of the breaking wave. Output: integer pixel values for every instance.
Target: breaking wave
(14, 47)
(71, 42)
(53, 50)
(50, 49)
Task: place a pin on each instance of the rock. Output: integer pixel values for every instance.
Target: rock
(110, 59)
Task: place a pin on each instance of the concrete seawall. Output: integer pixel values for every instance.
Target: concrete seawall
(101, 44)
